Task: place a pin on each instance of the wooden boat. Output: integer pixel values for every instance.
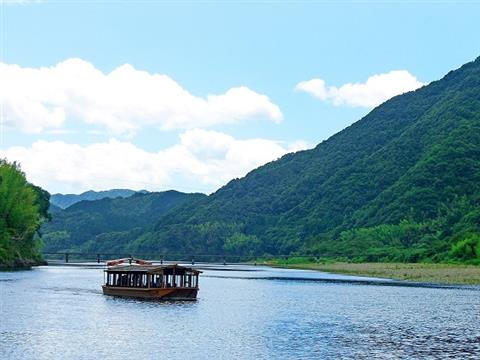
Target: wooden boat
(143, 280)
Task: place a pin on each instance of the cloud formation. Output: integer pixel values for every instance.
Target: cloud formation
(123, 101)
(203, 160)
(376, 90)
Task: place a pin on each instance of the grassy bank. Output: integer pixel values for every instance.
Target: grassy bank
(435, 273)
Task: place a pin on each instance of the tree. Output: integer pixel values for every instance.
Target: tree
(22, 209)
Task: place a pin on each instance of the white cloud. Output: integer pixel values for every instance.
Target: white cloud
(202, 161)
(124, 100)
(376, 90)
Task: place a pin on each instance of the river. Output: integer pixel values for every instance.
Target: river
(242, 312)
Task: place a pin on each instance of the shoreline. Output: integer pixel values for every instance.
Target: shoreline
(23, 264)
(448, 274)
(433, 273)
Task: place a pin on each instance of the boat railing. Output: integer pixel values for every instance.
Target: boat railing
(144, 280)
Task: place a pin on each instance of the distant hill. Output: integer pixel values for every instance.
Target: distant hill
(53, 209)
(101, 225)
(65, 200)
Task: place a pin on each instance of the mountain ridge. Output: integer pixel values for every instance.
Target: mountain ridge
(65, 200)
(354, 169)
(387, 188)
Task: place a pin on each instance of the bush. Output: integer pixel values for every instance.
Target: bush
(467, 249)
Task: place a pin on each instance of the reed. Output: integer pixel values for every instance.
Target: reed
(420, 272)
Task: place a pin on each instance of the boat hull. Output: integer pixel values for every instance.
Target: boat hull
(152, 293)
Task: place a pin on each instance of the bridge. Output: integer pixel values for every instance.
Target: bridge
(99, 257)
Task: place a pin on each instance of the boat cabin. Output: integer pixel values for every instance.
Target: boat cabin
(148, 281)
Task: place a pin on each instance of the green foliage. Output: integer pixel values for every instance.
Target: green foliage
(467, 249)
(22, 208)
(241, 244)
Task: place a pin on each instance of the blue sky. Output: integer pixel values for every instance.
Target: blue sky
(209, 47)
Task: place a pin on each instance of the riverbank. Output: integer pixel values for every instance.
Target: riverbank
(434, 273)
(21, 264)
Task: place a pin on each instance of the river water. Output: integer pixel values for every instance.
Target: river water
(242, 312)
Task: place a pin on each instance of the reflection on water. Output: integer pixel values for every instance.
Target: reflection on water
(241, 313)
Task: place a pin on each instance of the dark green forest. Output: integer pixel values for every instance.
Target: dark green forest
(108, 224)
(23, 208)
(401, 184)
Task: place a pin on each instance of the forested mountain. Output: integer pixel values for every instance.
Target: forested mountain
(65, 200)
(23, 207)
(401, 184)
(103, 225)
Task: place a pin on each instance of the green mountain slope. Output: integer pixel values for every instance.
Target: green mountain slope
(107, 224)
(65, 200)
(393, 186)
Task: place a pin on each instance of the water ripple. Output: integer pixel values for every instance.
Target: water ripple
(257, 313)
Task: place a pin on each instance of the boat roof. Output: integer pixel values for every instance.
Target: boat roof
(153, 269)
